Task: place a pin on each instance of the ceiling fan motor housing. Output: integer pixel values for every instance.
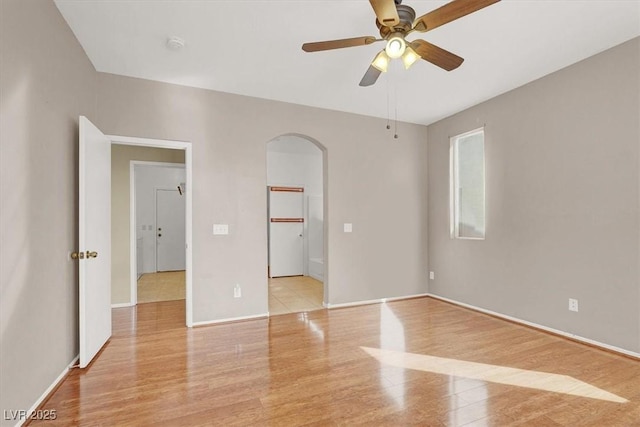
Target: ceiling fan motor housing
(406, 14)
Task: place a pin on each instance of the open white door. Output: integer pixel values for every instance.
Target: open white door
(94, 238)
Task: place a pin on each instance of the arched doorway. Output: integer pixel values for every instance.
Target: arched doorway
(296, 188)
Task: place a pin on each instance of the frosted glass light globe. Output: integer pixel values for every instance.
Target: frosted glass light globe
(395, 47)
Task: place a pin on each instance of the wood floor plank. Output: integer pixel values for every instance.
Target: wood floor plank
(412, 362)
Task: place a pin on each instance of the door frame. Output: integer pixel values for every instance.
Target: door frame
(188, 165)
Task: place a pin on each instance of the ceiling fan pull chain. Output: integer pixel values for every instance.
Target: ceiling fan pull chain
(395, 106)
(395, 132)
(388, 105)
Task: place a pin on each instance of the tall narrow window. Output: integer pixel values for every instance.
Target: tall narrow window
(467, 185)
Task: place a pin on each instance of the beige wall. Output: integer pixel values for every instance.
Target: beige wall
(563, 193)
(46, 82)
(562, 202)
(372, 181)
(121, 157)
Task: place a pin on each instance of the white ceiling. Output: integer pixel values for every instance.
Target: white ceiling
(253, 48)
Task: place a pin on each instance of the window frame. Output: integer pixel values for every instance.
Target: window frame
(454, 188)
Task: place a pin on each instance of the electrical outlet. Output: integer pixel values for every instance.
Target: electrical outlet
(432, 275)
(237, 291)
(573, 304)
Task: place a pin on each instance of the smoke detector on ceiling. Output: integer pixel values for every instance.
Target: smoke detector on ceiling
(175, 43)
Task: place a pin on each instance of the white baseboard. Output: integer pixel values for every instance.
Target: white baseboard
(122, 305)
(232, 319)
(541, 327)
(49, 389)
(372, 301)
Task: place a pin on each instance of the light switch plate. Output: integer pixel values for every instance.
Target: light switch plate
(348, 227)
(220, 229)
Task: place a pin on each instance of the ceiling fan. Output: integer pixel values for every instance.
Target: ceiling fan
(396, 21)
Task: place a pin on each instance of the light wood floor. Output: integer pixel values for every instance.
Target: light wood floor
(413, 362)
(163, 286)
(295, 294)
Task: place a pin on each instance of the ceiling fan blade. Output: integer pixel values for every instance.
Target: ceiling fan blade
(370, 76)
(436, 55)
(449, 12)
(386, 12)
(338, 44)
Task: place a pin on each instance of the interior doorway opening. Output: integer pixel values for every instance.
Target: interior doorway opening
(182, 186)
(158, 212)
(296, 213)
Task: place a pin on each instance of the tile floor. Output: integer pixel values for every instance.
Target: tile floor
(163, 286)
(295, 294)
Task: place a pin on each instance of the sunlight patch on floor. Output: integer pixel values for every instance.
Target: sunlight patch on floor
(492, 373)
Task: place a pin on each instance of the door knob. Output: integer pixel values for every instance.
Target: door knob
(92, 254)
(77, 255)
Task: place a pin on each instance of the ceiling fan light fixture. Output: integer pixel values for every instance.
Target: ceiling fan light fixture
(395, 46)
(409, 58)
(381, 61)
